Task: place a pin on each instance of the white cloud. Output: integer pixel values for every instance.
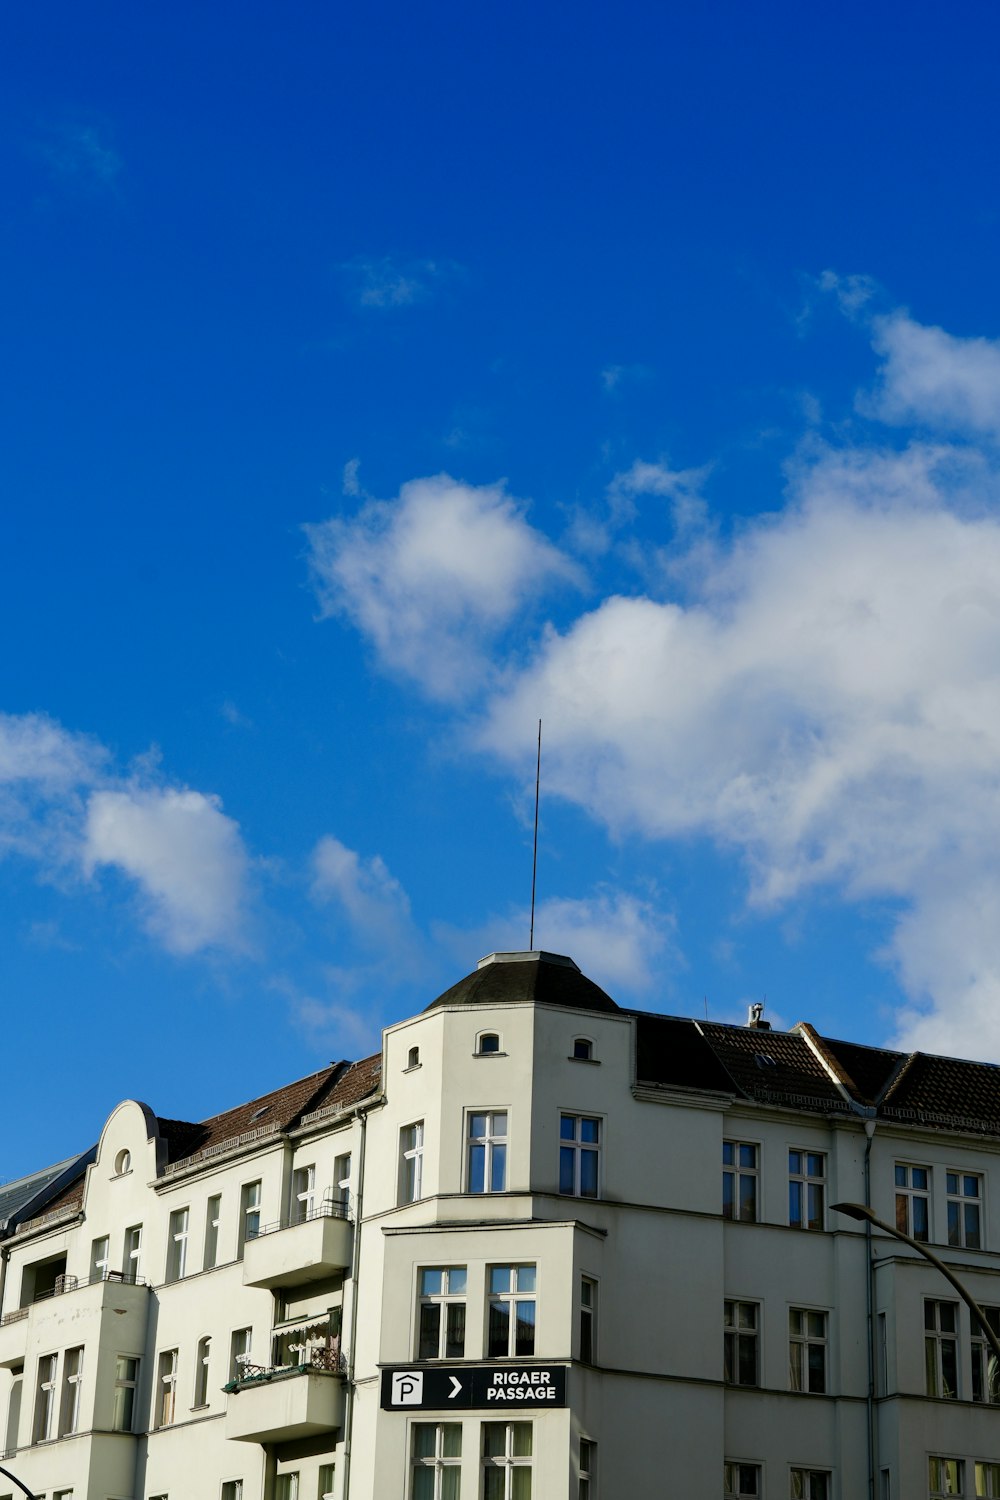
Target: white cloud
(186, 856)
(36, 749)
(386, 283)
(929, 376)
(619, 940)
(433, 577)
(828, 703)
(374, 901)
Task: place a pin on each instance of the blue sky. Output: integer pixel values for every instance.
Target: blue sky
(382, 379)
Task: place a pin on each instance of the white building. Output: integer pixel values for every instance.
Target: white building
(540, 1246)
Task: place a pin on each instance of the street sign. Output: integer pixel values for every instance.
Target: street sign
(528, 1387)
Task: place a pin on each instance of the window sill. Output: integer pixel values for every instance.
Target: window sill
(414, 1068)
(490, 1054)
(595, 1062)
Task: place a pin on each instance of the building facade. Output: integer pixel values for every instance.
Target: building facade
(540, 1247)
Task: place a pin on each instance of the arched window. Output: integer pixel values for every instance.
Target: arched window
(413, 1058)
(123, 1162)
(583, 1048)
(487, 1042)
(201, 1372)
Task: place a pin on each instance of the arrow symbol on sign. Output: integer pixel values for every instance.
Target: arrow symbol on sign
(456, 1386)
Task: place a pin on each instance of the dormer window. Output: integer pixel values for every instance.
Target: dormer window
(583, 1049)
(123, 1163)
(259, 1114)
(488, 1042)
(413, 1058)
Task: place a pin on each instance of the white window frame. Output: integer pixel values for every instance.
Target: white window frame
(213, 1218)
(987, 1478)
(735, 1333)
(909, 1194)
(453, 1294)
(327, 1479)
(286, 1486)
(100, 1257)
(342, 1178)
(411, 1163)
(303, 1193)
(939, 1483)
(126, 1388)
(985, 1371)
(232, 1489)
(801, 1341)
(489, 1037)
(809, 1183)
(741, 1480)
(578, 1152)
(521, 1290)
(938, 1338)
(202, 1363)
(132, 1254)
(72, 1391)
(166, 1388)
(439, 1462)
(588, 1469)
(588, 1319)
(250, 1195)
(493, 1141)
(810, 1484)
(177, 1244)
(583, 1049)
(735, 1173)
(508, 1460)
(240, 1348)
(959, 1202)
(46, 1389)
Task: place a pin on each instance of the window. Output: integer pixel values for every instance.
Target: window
(201, 1372)
(741, 1481)
(435, 1460)
(885, 1485)
(326, 1478)
(965, 1195)
(239, 1351)
(411, 1162)
(232, 1489)
(913, 1215)
(213, 1212)
(45, 1398)
(342, 1178)
(69, 1413)
(740, 1361)
(511, 1311)
(579, 1155)
(123, 1163)
(883, 1354)
(739, 1181)
(806, 1177)
(166, 1389)
(946, 1476)
(286, 1487)
(806, 1350)
(985, 1374)
(100, 1258)
(14, 1409)
(588, 1470)
(987, 1479)
(413, 1058)
(132, 1257)
(249, 1218)
(941, 1348)
(441, 1332)
(303, 1194)
(583, 1049)
(506, 1461)
(126, 1380)
(810, 1484)
(488, 1153)
(588, 1319)
(487, 1044)
(177, 1244)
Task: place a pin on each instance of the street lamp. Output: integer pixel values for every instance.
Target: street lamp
(859, 1211)
(14, 1480)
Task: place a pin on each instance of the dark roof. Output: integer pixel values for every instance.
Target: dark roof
(938, 1090)
(18, 1195)
(541, 978)
(865, 1070)
(772, 1066)
(673, 1051)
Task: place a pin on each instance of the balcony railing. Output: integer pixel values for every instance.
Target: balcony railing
(327, 1360)
(71, 1284)
(329, 1210)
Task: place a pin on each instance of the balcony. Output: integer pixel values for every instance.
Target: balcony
(292, 1254)
(284, 1403)
(72, 1300)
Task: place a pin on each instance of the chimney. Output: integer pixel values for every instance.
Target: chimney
(755, 1018)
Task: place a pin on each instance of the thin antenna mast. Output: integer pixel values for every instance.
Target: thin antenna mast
(534, 855)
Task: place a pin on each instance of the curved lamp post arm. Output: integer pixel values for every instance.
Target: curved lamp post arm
(859, 1211)
(14, 1480)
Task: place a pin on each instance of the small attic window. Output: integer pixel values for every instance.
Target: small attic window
(413, 1058)
(764, 1060)
(487, 1042)
(583, 1048)
(123, 1163)
(258, 1114)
